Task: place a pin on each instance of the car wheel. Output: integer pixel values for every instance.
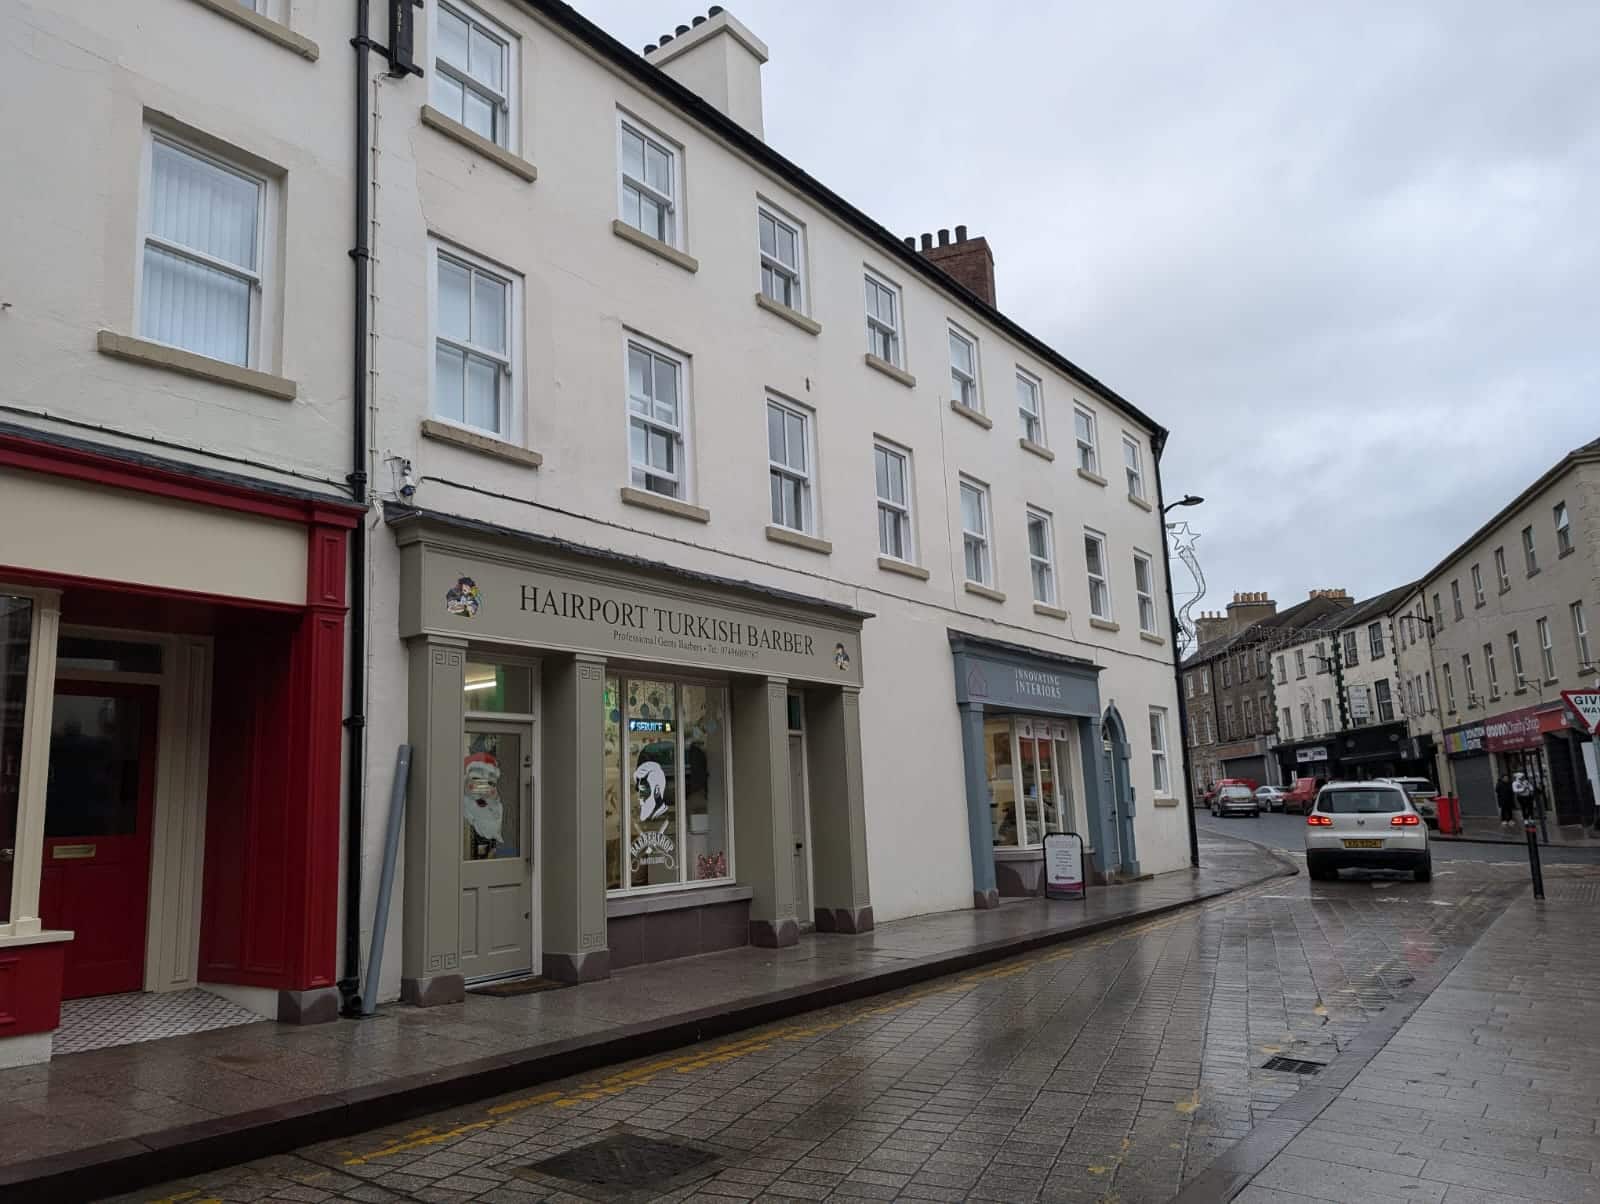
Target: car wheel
(1318, 871)
(1424, 872)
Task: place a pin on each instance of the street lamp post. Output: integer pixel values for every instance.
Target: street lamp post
(1188, 499)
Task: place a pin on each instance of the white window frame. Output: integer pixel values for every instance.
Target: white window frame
(263, 321)
(1229, 722)
(1160, 767)
(1327, 714)
(1288, 724)
(1492, 669)
(1046, 563)
(1449, 687)
(685, 474)
(796, 272)
(627, 123)
(1580, 632)
(1033, 429)
(1299, 664)
(1563, 525)
(1455, 599)
(1188, 685)
(1133, 464)
(1088, 450)
(1103, 578)
(806, 477)
(905, 512)
(1433, 699)
(1438, 611)
(982, 538)
(1283, 671)
(959, 380)
(1383, 696)
(1519, 674)
(1501, 571)
(1530, 551)
(1469, 679)
(508, 361)
(875, 323)
(1375, 639)
(1477, 585)
(1352, 650)
(1146, 597)
(505, 102)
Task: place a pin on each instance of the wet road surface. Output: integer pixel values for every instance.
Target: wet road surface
(1280, 831)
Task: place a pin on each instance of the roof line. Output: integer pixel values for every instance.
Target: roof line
(658, 81)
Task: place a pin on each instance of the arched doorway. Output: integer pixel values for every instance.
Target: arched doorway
(1122, 846)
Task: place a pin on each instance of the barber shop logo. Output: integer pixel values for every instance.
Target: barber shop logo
(463, 598)
(841, 658)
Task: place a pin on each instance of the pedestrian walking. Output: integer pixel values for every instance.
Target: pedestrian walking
(1506, 798)
(1522, 788)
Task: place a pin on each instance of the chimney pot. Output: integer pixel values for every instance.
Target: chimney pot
(698, 21)
(681, 30)
(665, 38)
(961, 234)
(944, 236)
(927, 242)
(912, 242)
(650, 49)
(713, 10)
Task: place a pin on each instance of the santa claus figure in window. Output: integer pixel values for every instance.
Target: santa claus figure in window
(480, 803)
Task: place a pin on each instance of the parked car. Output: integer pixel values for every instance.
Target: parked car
(1371, 825)
(1424, 797)
(1235, 800)
(1299, 797)
(1270, 798)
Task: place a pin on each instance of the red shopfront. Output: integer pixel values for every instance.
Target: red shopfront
(1539, 742)
(172, 650)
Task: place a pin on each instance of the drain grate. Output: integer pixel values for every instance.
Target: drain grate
(625, 1160)
(1294, 1065)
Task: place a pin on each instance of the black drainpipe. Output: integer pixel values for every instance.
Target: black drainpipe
(356, 721)
(1157, 446)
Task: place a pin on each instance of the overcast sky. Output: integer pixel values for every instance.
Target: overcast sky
(1349, 254)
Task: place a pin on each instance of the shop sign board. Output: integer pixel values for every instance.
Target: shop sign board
(1063, 866)
(1514, 731)
(1586, 705)
(1464, 741)
(1317, 752)
(550, 604)
(1360, 706)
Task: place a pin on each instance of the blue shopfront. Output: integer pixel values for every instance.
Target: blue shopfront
(1041, 755)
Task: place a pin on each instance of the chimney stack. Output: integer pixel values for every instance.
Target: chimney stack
(968, 261)
(719, 60)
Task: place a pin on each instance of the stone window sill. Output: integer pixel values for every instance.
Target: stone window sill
(1143, 505)
(890, 565)
(1504, 590)
(476, 441)
(676, 900)
(1151, 637)
(1533, 572)
(273, 31)
(1104, 624)
(1049, 612)
(1569, 551)
(202, 367)
(983, 591)
(45, 936)
(1165, 802)
(644, 499)
(1013, 853)
(655, 246)
(1038, 449)
(472, 140)
(1093, 478)
(798, 539)
(793, 316)
(972, 415)
(889, 370)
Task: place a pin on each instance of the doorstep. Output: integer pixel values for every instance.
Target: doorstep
(113, 1120)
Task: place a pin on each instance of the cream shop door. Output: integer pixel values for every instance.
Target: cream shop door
(499, 859)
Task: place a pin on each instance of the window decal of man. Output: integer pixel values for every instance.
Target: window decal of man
(480, 803)
(650, 788)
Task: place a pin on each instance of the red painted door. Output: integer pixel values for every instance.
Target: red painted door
(96, 878)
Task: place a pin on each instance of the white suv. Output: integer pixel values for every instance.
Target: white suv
(1424, 797)
(1371, 825)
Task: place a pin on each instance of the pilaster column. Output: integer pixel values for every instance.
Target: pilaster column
(843, 900)
(572, 852)
(762, 827)
(980, 819)
(34, 773)
(430, 957)
(1127, 841)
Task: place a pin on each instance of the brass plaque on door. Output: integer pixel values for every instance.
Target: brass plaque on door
(72, 852)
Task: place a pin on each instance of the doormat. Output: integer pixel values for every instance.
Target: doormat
(517, 986)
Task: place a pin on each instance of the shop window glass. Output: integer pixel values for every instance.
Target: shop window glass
(665, 742)
(797, 713)
(491, 796)
(1002, 783)
(107, 656)
(498, 689)
(705, 785)
(16, 625)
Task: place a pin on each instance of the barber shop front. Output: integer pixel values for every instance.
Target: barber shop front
(1040, 758)
(615, 761)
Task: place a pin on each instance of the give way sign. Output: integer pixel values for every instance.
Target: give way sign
(1587, 704)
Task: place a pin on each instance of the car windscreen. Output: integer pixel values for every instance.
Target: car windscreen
(1237, 792)
(1359, 802)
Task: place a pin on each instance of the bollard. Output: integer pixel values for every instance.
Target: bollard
(1530, 826)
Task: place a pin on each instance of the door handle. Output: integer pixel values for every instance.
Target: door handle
(7, 854)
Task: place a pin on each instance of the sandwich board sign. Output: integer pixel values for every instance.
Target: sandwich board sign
(1586, 704)
(1063, 866)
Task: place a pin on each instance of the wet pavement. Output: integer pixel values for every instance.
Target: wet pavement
(1112, 1068)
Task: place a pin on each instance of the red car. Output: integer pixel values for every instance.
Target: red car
(1299, 797)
